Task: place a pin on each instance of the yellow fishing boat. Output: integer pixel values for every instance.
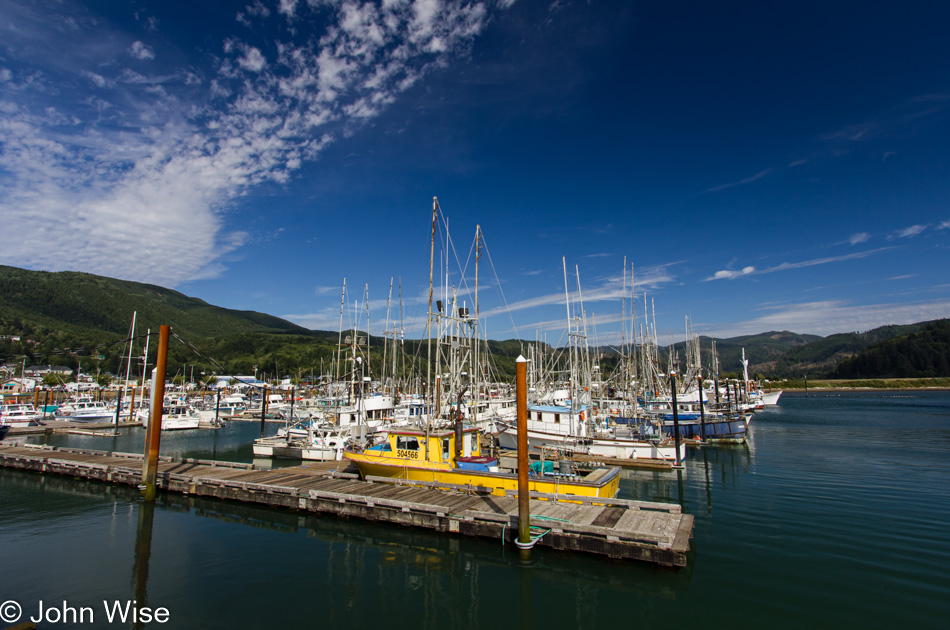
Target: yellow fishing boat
(431, 455)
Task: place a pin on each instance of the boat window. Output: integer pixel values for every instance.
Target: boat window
(445, 449)
(557, 418)
(408, 443)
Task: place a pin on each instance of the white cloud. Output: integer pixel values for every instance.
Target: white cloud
(146, 169)
(944, 225)
(731, 274)
(908, 232)
(747, 271)
(860, 237)
(831, 317)
(603, 290)
(141, 51)
(252, 60)
(747, 180)
(288, 8)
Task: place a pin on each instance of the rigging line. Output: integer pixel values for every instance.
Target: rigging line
(86, 348)
(502, 291)
(220, 367)
(450, 247)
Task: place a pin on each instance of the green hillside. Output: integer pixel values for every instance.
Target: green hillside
(70, 318)
(920, 354)
(85, 301)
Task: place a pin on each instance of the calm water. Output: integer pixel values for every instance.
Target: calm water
(834, 515)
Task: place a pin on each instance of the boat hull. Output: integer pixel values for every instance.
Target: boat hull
(602, 483)
(603, 447)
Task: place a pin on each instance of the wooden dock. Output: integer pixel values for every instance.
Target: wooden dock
(617, 528)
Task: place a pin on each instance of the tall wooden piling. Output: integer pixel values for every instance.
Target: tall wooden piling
(155, 422)
(676, 419)
(263, 408)
(702, 408)
(521, 401)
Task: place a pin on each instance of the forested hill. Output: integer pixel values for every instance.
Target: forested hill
(70, 318)
(922, 354)
(84, 301)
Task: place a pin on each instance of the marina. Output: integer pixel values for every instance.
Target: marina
(842, 532)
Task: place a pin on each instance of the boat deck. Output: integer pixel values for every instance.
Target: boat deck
(617, 528)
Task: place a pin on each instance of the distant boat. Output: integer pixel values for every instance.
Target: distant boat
(85, 410)
(176, 416)
(19, 414)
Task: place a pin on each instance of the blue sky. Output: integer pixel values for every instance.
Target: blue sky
(763, 166)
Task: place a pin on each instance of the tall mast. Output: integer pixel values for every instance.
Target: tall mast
(429, 392)
(385, 335)
(477, 366)
(339, 343)
(128, 366)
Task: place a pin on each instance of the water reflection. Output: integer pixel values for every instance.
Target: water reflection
(143, 552)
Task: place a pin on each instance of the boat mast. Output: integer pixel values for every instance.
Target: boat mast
(339, 343)
(148, 336)
(385, 338)
(429, 400)
(128, 366)
(477, 366)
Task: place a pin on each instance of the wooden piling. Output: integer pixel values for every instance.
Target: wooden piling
(155, 423)
(521, 402)
(676, 419)
(702, 408)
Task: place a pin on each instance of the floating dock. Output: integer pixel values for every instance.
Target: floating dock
(617, 528)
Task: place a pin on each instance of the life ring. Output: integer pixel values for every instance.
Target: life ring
(582, 416)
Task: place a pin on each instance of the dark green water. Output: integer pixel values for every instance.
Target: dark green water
(835, 515)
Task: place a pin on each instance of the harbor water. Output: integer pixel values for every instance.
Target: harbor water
(835, 514)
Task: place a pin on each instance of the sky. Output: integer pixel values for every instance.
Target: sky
(750, 166)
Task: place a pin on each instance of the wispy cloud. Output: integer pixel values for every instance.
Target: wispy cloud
(944, 225)
(909, 232)
(131, 175)
(608, 289)
(860, 237)
(728, 274)
(141, 51)
(830, 317)
(747, 180)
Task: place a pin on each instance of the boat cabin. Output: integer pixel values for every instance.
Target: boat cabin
(411, 444)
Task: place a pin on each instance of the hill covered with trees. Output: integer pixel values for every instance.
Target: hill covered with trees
(74, 319)
(921, 354)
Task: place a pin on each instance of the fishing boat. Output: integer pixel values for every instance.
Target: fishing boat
(19, 414)
(552, 426)
(176, 416)
(85, 410)
(434, 455)
(319, 443)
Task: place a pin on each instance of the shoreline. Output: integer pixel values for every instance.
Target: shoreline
(801, 390)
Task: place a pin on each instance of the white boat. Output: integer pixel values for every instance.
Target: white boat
(552, 426)
(178, 417)
(19, 415)
(770, 399)
(320, 444)
(86, 411)
(175, 416)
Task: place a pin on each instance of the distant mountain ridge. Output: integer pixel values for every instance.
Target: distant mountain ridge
(87, 301)
(68, 314)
